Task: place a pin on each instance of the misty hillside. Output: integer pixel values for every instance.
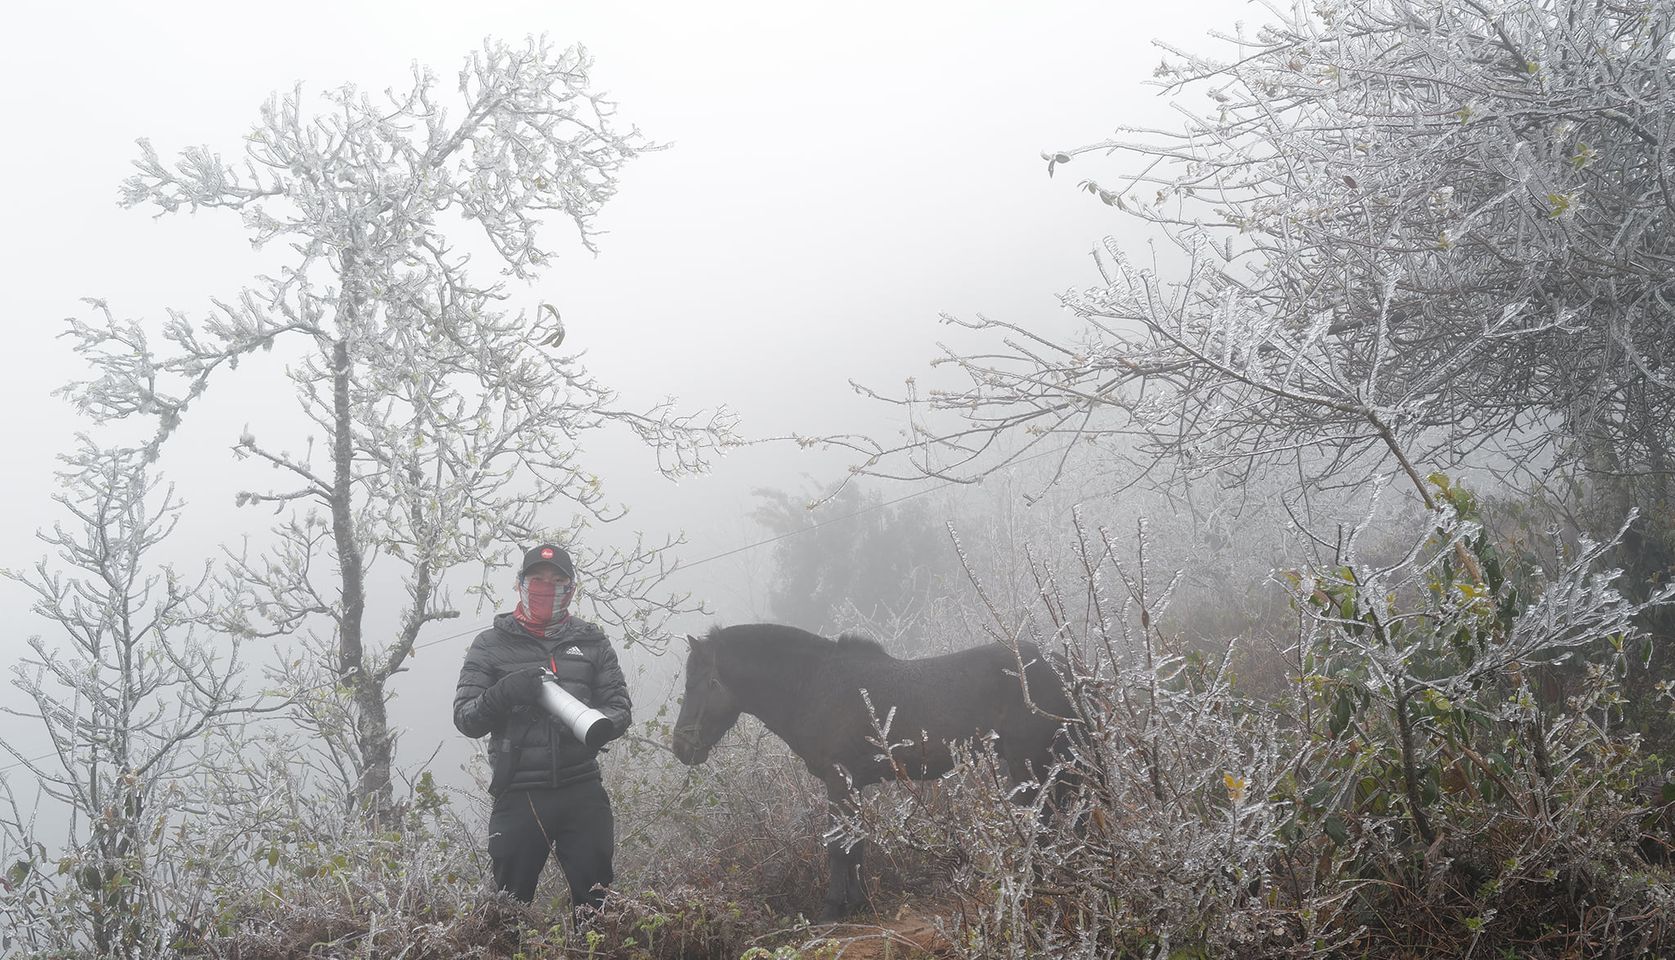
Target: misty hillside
(751, 482)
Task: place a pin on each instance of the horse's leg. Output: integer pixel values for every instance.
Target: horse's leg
(844, 891)
(1033, 768)
(1024, 770)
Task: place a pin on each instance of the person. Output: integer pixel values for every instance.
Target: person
(548, 796)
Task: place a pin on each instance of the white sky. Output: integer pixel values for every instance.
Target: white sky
(838, 175)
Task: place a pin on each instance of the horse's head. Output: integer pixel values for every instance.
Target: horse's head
(708, 709)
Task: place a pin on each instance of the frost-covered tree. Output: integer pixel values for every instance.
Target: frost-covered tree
(1402, 236)
(126, 690)
(447, 426)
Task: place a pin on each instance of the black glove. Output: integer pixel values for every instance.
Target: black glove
(514, 689)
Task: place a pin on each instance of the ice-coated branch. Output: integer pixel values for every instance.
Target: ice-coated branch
(1386, 247)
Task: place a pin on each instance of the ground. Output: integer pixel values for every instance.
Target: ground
(910, 935)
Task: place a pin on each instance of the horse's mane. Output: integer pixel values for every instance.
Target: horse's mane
(859, 644)
(760, 636)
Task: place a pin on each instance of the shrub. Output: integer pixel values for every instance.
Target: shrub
(1413, 794)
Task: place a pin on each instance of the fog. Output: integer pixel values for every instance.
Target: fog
(835, 178)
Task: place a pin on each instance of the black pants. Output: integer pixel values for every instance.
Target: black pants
(574, 822)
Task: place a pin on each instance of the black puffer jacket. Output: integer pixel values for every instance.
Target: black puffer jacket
(538, 750)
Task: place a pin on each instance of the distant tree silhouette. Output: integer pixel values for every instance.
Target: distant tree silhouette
(853, 556)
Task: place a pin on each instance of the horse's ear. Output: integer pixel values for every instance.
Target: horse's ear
(693, 643)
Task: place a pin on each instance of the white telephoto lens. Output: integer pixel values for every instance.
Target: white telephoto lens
(589, 725)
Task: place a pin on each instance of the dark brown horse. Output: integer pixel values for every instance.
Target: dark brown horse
(807, 690)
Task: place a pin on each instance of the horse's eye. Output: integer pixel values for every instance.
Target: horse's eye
(715, 682)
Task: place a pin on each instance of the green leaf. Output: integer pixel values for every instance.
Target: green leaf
(1336, 830)
(1341, 711)
(1318, 794)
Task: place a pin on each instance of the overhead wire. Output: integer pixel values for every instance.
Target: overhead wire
(790, 533)
(698, 563)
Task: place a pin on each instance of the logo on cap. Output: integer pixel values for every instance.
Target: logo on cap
(546, 553)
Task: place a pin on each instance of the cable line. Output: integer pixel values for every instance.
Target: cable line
(696, 563)
(775, 539)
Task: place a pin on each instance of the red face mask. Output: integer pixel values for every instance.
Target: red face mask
(541, 604)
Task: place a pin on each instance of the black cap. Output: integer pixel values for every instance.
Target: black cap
(551, 554)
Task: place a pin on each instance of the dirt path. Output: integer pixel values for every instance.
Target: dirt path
(911, 936)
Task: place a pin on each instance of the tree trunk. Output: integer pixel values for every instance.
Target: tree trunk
(377, 749)
(372, 733)
(1410, 770)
